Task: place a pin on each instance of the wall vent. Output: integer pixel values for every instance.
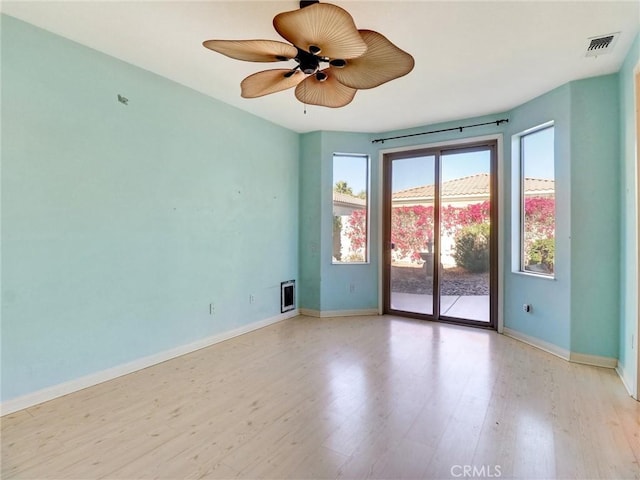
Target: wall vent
(602, 44)
(287, 296)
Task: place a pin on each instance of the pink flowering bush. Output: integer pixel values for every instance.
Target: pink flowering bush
(357, 230)
(539, 231)
(412, 227)
(411, 230)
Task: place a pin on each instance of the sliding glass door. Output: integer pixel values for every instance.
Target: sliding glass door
(412, 234)
(439, 228)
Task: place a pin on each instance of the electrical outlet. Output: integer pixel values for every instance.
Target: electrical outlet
(526, 308)
(212, 308)
(252, 299)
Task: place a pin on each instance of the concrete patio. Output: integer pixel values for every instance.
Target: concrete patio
(468, 307)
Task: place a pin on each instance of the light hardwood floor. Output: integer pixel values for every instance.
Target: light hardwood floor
(360, 397)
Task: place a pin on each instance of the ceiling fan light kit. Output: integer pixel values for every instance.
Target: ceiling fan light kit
(319, 33)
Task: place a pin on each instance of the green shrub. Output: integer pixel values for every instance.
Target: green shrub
(472, 248)
(542, 251)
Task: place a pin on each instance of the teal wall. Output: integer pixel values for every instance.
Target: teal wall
(629, 218)
(120, 224)
(595, 216)
(337, 279)
(550, 318)
(325, 286)
(310, 226)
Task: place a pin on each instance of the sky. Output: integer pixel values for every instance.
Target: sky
(351, 169)
(419, 171)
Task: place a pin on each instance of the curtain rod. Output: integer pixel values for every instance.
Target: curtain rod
(496, 122)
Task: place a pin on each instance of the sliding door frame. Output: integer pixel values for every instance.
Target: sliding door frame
(497, 245)
(387, 164)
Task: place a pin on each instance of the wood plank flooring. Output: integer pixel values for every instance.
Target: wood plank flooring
(360, 397)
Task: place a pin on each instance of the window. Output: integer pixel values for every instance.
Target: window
(537, 220)
(350, 208)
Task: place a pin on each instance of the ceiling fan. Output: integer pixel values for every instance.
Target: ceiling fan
(334, 59)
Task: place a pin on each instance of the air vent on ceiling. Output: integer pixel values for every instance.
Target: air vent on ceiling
(601, 44)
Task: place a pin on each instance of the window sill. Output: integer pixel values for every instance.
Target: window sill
(350, 263)
(534, 275)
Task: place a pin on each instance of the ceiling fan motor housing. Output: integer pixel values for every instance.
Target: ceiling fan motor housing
(309, 63)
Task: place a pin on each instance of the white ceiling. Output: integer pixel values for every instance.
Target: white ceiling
(472, 58)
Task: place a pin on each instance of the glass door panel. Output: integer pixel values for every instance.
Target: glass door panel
(465, 235)
(412, 234)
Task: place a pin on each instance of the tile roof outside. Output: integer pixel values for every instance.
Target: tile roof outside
(474, 185)
(350, 200)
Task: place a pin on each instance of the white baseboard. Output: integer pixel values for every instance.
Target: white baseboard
(338, 313)
(536, 342)
(595, 360)
(623, 378)
(90, 380)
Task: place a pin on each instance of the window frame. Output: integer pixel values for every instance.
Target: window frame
(518, 188)
(367, 209)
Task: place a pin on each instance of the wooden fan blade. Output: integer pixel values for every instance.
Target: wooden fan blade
(382, 62)
(253, 50)
(321, 25)
(329, 93)
(269, 81)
